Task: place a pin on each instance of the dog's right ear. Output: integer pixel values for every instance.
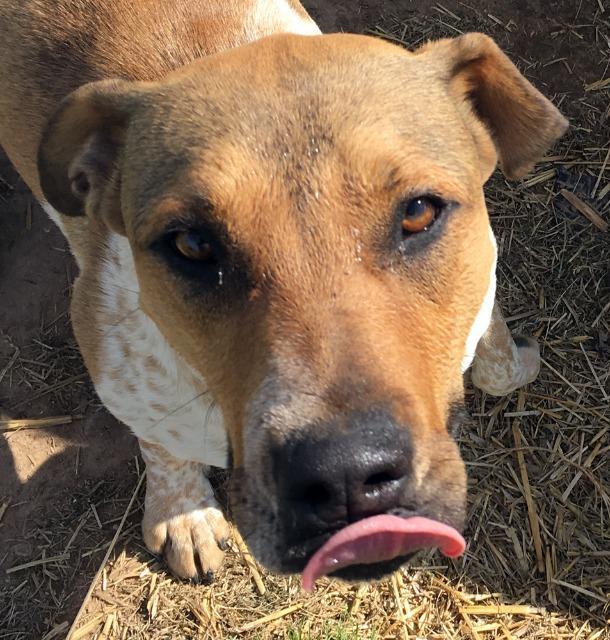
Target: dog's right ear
(80, 152)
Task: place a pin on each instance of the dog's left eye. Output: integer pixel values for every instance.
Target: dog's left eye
(419, 214)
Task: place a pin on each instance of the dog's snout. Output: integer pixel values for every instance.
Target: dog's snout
(342, 471)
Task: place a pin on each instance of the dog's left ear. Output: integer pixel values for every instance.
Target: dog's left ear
(523, 124)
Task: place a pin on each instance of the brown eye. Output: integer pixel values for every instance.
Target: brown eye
(193, 246)
(419, 214)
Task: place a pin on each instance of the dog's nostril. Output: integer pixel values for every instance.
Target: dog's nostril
(316, 494)
(381, 478)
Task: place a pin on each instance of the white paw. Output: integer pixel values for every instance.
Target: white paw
(182, 519)
(499, 374)
(191, 542)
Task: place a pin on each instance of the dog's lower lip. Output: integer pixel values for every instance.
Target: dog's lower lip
(297, 555)
(377, 540)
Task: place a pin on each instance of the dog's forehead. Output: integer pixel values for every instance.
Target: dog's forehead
(288, 89)
(293, 120)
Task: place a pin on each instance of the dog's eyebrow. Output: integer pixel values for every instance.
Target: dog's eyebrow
(194, 211)
(173, 212)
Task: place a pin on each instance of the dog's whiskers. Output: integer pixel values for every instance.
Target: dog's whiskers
(116, 324)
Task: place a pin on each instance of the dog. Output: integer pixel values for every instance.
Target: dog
(285, 261)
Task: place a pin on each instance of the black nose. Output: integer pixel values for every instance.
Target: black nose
(334, 473)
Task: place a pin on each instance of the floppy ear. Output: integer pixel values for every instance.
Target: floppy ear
(522, 123)
(78, 158)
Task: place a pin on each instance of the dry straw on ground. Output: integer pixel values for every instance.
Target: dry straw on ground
(538, 562)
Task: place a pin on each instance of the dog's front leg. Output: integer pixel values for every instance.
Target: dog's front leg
(503, 364)
(182, 519)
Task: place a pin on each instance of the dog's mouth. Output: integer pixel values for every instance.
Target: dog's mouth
(378, 545)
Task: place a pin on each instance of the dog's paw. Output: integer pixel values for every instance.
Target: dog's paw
(502, 372)
(528, 351)
(192, 542)
(182, 519)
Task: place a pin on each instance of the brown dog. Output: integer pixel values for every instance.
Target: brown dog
(284, 255)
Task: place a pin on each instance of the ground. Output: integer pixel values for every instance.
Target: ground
(538, 563)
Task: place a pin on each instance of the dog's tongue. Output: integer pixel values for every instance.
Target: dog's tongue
(380, 538)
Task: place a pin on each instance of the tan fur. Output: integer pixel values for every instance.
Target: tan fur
(51, 48)
(298, 149)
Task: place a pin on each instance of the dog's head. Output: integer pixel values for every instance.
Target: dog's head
(307, 221)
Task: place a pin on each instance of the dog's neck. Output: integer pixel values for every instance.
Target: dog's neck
(258, 18)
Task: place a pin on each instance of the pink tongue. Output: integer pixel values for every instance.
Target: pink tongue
(380, 538)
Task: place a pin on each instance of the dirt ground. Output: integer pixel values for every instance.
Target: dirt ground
(538, 461)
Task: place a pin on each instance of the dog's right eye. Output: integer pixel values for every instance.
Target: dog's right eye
(195, 253)
(194, 246)
(204, 257)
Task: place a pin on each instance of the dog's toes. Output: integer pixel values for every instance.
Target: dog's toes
(190, 542)
(501, 373)
(155, 535)
(207, 544)
(182, 519)
(219, 526)
(179, 554)
(528, 351)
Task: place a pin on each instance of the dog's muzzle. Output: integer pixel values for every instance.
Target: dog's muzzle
(346, 500)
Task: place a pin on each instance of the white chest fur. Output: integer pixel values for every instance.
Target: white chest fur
(281, 16)
(142, 380)
(483, 317)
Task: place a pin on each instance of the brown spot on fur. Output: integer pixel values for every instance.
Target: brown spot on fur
(151, 364)
(125, 350)
(130, 387)
(161, 408)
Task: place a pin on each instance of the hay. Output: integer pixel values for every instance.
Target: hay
(36, 423)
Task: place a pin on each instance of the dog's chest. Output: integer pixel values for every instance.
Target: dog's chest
(141, 379)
